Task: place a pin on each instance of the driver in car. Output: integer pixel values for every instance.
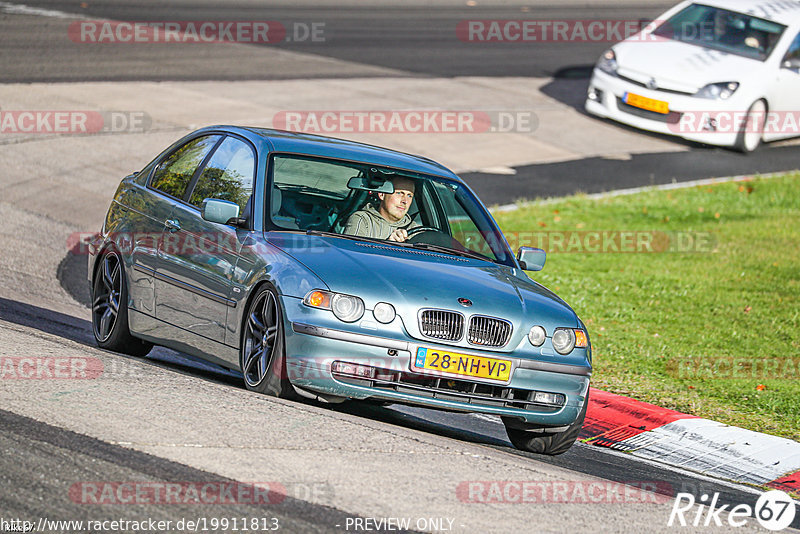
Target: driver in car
(390, 220)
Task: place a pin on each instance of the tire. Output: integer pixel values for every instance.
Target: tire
(262, 354)
(749, 137)
(110, 308)
(548, 443)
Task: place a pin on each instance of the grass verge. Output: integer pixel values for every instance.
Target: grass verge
(705, 320)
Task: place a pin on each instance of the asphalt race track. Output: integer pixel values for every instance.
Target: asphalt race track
(170, 417)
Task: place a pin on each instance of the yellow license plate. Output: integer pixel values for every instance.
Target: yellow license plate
(465, 365)
(642, 102)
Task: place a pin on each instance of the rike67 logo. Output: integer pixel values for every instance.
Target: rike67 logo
(774, 510)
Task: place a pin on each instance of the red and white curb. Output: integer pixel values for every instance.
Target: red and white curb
(692, 443)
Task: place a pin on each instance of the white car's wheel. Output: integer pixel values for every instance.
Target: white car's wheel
(750, 134)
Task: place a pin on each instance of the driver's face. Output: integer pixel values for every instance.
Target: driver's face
(395, 206)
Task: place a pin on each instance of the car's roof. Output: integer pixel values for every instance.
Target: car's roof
(331, 147)
(784, 12)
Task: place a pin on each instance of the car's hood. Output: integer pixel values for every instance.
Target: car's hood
(681, 66)
(411, 279)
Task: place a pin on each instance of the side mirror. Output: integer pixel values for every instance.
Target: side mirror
(219, 211)
(531, 259)
(791, 63)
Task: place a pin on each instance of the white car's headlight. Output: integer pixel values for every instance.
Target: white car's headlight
(608, 62)
(718, 91)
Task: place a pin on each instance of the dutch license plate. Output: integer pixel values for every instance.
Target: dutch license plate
(454, 363)
(642, 102)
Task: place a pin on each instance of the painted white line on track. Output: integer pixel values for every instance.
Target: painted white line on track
(22, 9)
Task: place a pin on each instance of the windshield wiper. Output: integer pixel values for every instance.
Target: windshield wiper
(448, 250)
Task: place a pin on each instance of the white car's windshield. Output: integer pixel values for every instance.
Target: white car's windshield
(720, 29)
(367, 201)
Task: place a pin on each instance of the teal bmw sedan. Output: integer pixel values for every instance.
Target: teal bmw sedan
(333, 270)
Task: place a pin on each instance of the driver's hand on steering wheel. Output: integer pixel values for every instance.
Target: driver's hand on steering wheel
(398, 235)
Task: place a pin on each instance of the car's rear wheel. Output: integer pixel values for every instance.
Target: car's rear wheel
(749, 138)
(110, 308)
(548, 443)
(263, 349)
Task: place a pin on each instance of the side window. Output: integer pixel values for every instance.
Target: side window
(462, 225)
(794, 49)
(172, 176)
(228, 175)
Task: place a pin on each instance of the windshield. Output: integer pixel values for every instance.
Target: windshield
(363, 201)
(720, 29)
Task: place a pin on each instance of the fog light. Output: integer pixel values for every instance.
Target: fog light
(710, 125)
(353, 369)
(595, 94)
(542, 397)
(384, 312)
(537, 336)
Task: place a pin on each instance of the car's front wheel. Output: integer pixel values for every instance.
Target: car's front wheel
(752, 130)
(262, 354)
(110, 308)
(548, 443)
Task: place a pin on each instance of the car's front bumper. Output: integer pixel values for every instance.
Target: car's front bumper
(688, 118)
(312, 350)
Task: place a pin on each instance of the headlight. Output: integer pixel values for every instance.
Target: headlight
(384, 312)
(718, 91)
(563, 340)
(608, 62)
(566, 339)
(537, 336)
(347, 308)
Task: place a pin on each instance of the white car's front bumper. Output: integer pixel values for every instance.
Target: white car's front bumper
(688, 117)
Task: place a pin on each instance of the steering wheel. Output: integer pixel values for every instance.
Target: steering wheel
(419, 229)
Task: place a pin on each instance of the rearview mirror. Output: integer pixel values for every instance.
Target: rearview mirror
(363, 183)
(219, 211)
(531, 259)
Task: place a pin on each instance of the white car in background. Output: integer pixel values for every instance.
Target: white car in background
(719, 72)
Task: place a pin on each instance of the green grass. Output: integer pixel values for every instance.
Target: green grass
(738, 298)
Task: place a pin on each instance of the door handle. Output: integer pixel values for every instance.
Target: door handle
(173, 225)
